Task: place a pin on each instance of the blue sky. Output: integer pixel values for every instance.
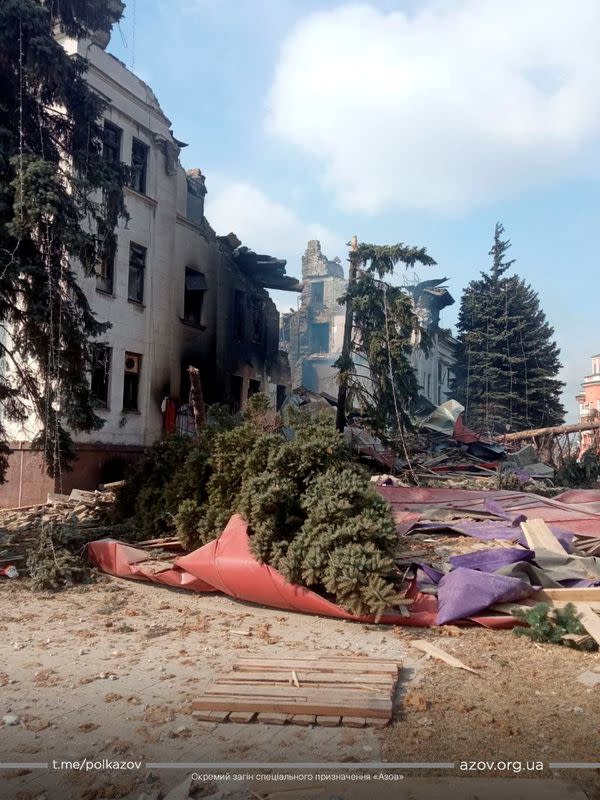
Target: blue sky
(422, 122)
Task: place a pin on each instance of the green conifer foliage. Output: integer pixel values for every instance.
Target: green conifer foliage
(508, 361)
(381, 379)
(55, 189)
(312, 514)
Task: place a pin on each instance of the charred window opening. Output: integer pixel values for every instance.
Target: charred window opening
(100, 375)
(111, 143)
(107, 251)
(131, 381)
(137, 268)
(235, 393)
(195, 286)
(257, 319)
(317, 293)
(319, 337)
(253, 388)
(139, 166)
(281, 395)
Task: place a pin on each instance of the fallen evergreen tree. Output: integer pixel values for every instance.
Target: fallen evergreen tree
(313, 514)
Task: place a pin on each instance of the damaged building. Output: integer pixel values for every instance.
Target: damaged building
(589, 405)
(312, 335)
(175, 293)
(433, 368)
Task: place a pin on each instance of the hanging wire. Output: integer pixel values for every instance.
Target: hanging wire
(133, 37)
(393, 384)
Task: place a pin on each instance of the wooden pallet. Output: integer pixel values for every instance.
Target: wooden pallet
(328, 691)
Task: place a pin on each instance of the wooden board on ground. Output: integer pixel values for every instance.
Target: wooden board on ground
(590, 620)
(339, 665)
(540, 537)
(590, 594)
(304, 691)
(433, 650)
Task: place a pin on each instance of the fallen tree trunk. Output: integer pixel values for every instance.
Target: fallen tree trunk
(558, 430)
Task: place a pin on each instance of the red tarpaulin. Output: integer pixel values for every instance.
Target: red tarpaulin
(575, 511)
(227, 565)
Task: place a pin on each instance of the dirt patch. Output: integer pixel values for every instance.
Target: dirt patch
(525, 704)
(87, 681)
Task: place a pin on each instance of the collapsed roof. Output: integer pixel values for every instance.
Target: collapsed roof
(266, 271)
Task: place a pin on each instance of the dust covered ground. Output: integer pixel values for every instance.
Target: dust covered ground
(109, 671)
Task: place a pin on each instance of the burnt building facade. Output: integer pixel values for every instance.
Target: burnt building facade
(313, 335)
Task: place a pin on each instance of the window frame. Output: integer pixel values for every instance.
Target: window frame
(139, 172)
(132, 377)
(97, 400)
(113, 148)
(107, 245)
(189, 317)
(139, 251)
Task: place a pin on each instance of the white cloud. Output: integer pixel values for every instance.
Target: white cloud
(263, 224)
(461, 103)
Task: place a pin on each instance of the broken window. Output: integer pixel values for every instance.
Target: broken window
(195, 286)
(253, 388)
(111, 143)
(239, 315)
(281, 395)
(235, 392)
(100, 374)
(131, 381)
(139, 159)
(320, 337)
(137, 268)
(107, 248)
(256, 318)
(316, 293)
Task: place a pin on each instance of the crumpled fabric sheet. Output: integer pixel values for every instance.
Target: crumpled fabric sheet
(227, 565)
(487, 531)
(491, 560)
(572, 511)
(463, 592)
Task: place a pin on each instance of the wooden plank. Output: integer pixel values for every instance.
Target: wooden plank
(293, 695)
(328, 721)
(364, 666)
(366, 707)
(202, 714)
(590, 621)
(284, 677)
(373, 689)
(353, 722)
(241, 716)
(587, 595)
(273, 719)
(342, 661)
(437, 652)
(530, 603)
(303, 719)
(540, 537)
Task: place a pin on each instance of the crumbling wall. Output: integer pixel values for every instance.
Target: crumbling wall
(313, 348)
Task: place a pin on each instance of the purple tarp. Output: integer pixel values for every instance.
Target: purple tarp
(491, 560)
(488, 530)
(464, 592)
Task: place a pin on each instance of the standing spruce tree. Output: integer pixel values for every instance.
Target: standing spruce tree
(56, 194)
(376, 368)
(507, 361)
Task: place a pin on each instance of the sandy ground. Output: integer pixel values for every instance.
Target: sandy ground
(108, 671)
